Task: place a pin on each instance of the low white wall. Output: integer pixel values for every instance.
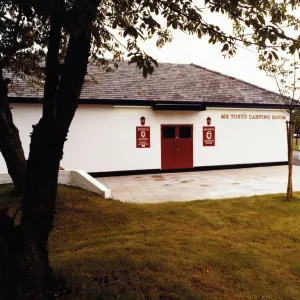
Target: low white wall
(75, 178)
(86, 182)
(64, 177)
(5, 178)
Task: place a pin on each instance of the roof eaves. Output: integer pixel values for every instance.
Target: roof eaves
(249, 105)
(129, 102)
(28, 100)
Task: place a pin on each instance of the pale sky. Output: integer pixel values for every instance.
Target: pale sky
(189, 49)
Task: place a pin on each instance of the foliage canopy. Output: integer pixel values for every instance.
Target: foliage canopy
(24, 28)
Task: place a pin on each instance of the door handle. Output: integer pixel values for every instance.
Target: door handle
(176, 145)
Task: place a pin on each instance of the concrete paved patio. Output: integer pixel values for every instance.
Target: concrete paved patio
(188, 186)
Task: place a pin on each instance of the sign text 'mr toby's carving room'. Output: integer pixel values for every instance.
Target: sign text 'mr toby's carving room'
(253, 117)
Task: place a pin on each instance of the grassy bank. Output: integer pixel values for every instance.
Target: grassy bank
(297, 147)
(246, 248)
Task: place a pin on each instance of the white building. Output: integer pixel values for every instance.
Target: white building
(106, 137)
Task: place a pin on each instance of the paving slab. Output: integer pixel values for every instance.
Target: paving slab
(187, 186)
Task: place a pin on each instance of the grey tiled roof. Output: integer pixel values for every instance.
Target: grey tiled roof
(169, 82)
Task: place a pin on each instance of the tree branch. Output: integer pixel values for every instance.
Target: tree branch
(52, 63)
(208, 26)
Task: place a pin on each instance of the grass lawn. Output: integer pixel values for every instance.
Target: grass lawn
(246, 248)
(297, 147)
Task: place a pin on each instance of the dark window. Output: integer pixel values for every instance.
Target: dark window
(185, 132)
(169, 132)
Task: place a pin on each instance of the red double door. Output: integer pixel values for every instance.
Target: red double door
(176, 147)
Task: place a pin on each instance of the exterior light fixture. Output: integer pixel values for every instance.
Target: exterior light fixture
(208, 120)
(143, 120)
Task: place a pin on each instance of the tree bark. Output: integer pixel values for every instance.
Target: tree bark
(52, 63)
(290, 138)
(47, 142)
(38, 204)
(10, 143)
(26, 272)
(30, 253)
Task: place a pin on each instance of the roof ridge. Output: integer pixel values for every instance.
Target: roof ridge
(232, 77)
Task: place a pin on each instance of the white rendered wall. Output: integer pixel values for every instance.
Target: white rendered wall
(243, 141)
(103, 138)
(24, 115)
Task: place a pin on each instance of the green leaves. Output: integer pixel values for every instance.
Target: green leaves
(261, 19)
(275, 55)
(144, 62)
(285, 72)
(225, 47)
(121, 25)
(131, 31)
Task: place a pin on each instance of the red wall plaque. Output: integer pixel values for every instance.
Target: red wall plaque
(143, 136)
(209, 135)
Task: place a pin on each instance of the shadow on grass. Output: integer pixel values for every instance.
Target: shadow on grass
(244, 248)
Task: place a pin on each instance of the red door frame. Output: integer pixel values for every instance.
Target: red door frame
(189, 147)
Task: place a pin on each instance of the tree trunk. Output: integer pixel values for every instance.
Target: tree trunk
(30, 253)
(10, 143)
(38, 208)
(290, 135)
(47, 142)
(26, 273)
